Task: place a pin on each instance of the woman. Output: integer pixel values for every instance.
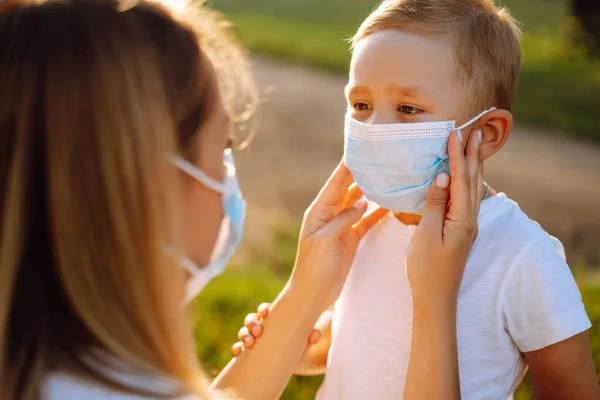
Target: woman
(117, 184)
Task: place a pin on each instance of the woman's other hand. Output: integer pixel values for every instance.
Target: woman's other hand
(331, 230)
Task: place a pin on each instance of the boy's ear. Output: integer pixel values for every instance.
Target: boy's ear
(495, 127)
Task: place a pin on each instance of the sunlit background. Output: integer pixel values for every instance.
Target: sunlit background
(550, 165)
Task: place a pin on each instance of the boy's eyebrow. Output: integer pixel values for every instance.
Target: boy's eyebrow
(410, 91)
(350, 88)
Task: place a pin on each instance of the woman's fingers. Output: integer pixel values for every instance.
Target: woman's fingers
(473, 161)
(353, 196)
(436, 204)
(346, 219)
(482, 189)
(336, 186)
(366, 223)
(460, 190)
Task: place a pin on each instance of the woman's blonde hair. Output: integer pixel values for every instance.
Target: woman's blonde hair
(95, 95)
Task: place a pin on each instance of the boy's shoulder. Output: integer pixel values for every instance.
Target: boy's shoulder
(503, 226)
(511, 247)
(541, 303)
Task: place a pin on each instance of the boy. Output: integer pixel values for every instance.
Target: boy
(422, 61)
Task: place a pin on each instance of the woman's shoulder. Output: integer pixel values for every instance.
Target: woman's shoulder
(61, 386)
(66, 386)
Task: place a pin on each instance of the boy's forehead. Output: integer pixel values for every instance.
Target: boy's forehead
(403, 62)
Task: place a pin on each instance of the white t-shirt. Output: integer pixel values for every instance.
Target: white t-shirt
(69, 387)
(517, 295)
(66, 386)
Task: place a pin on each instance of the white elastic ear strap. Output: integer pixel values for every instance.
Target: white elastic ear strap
(183, 261)
(474, 119)
(189, 266)
(198, 174)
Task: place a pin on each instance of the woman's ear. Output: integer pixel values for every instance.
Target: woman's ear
(495, 127)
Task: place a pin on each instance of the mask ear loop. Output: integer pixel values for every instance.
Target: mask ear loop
(198, 174)
(189, 266)
(474, 119)
(487, 188)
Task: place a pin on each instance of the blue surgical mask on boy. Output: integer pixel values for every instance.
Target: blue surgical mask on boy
(394, 164)
(232, 227)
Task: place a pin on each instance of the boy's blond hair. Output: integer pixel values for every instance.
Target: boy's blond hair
(486, 41)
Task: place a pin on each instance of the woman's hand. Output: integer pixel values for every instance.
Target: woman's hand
(331, 230)
(439, 250)
(435, 264)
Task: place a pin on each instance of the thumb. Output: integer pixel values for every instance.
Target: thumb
(346, 218)
(436, 204)
(315, 337)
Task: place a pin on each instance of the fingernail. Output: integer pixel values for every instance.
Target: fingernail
(263, 307)
(460, 137)
(479, 136)
(442, 181)
(361, 204)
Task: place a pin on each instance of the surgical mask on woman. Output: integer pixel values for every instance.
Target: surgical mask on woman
(232, 226)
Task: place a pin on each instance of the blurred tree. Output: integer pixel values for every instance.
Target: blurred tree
(587, 13)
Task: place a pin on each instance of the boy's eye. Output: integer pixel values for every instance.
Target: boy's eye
(360, 106)
(411, 110)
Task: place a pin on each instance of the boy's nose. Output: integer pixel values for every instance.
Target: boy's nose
(383, 118)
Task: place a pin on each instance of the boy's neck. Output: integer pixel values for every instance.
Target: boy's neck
(414, 219)
(408, 219)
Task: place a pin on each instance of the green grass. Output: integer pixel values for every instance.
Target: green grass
(559, 87)
(221, 309)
